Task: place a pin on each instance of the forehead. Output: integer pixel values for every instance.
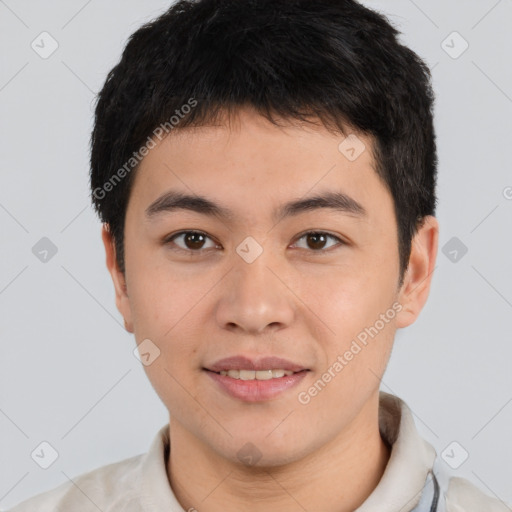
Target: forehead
(248, 162)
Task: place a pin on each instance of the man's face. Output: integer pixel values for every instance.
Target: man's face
(256, 285)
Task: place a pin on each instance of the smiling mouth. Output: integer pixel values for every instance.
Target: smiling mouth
(256, 385)
(269, 374)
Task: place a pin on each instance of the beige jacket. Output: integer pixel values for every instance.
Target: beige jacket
(140, 483)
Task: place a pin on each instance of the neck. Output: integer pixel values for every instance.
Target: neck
(345, 471)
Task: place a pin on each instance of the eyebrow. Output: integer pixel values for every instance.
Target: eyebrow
(174, 200)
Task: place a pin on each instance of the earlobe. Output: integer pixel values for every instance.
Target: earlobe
(118, 278)
(418, 277)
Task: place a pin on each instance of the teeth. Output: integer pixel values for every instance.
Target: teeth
(256, 375)
(247, 374)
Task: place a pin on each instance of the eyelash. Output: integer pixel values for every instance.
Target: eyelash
(198, 251)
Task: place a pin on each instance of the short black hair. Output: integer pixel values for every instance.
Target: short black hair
(330, 60)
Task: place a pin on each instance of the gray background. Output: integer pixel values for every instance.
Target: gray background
(68, 375)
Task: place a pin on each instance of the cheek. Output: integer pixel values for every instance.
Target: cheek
(165, 308)
(341, 297)
(176, 369)
(163, 298)
(351, 305)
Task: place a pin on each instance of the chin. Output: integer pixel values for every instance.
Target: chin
(260, 451)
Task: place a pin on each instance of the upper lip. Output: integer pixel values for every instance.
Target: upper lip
(261, 363)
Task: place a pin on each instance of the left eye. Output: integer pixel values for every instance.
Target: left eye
(318, 238)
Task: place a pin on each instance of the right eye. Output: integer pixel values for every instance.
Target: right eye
(193, 241)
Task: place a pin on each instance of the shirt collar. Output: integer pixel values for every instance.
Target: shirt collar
(411, 460)
(399, 489)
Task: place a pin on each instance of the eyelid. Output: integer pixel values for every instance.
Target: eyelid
(339, 240)
(170, 238)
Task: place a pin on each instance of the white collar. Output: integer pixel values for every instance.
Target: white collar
(411, 460)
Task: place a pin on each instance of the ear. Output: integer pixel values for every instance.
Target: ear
(122, 300)
(416, 286)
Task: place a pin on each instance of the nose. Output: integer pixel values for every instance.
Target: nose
(255, 298)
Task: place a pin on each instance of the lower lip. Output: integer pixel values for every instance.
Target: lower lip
(256, 390)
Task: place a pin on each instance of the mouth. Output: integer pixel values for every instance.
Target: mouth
(264, 367)
(255, 379)
(262, 375)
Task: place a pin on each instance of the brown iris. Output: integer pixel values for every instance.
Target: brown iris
(316, 240)
(194, 240)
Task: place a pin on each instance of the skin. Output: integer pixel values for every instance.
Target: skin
(292, 302)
